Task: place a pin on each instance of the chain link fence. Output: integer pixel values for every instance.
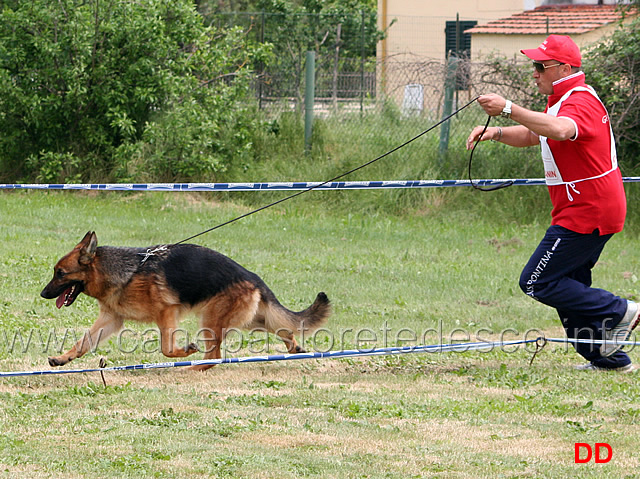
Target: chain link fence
(351, 82)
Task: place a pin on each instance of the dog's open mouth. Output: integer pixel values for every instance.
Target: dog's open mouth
(69, 295)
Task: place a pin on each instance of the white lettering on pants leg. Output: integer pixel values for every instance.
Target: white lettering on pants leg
(542, 264)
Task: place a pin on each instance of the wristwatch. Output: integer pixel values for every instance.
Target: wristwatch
(506, 111)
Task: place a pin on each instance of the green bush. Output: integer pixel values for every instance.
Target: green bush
(613, 69)
(96, 90)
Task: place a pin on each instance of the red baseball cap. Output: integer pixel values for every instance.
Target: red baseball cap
(556, 47)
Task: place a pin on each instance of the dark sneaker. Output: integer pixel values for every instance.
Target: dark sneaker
(620, 332)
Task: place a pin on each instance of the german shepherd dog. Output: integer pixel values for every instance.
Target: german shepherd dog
(161, 284)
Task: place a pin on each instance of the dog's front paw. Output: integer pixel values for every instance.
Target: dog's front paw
(59, 361)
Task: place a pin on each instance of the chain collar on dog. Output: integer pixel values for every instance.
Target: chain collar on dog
(153, 252)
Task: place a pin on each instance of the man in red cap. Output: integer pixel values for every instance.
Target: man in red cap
(589, 203)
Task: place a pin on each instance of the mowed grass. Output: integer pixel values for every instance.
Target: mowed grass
(442, 275)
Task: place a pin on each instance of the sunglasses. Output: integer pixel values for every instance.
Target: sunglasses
(541, 67)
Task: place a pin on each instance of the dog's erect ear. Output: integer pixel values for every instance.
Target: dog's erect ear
(87, 248)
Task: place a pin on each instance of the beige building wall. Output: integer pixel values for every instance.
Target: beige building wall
(414, 51)
(416, 27)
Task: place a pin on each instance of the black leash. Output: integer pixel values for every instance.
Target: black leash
(476, 186)
(337, 177)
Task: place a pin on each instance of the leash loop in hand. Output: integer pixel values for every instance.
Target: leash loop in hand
(499, 186)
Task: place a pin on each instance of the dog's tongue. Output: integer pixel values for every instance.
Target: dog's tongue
(62, 298)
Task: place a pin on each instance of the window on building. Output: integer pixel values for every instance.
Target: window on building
(458, 44)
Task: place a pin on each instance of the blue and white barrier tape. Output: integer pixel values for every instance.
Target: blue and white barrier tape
(280, 186)
(459, 347)
(437, 348)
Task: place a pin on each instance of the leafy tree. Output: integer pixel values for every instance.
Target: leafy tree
(315, 22)
(613, 69)
(342, 33)
(100, 88)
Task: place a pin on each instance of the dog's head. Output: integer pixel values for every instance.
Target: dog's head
(71, 272)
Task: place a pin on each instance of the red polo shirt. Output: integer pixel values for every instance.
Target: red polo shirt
(601, 203)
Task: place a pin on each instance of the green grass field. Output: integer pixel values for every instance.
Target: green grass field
(448, 269)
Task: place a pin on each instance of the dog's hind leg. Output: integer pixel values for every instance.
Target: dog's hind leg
(213, 341)
(104, 326)
(275, 321)
(167, 323)
(233, 309)
(289, 340)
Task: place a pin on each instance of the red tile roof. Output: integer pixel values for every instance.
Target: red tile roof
(559, 19)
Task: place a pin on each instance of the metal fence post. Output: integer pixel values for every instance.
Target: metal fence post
(309, 97)
(447, 108)
(261, 65)
(362, 59)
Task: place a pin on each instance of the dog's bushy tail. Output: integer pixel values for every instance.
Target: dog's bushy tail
(306, 320)
(317, 314)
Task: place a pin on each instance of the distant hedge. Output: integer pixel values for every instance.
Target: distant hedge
(109, 89)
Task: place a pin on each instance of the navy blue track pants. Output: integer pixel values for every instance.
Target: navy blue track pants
(558, 274)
